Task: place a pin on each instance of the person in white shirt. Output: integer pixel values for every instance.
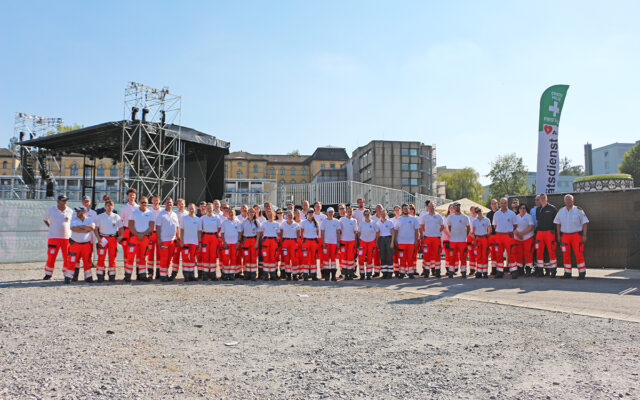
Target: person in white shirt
(309, 247)
(177, 251)
(473, 262)
(377, 265)
(289, 245)
(347, 255)
(571, 226)
(416, 249)
(230, 236)
(368, 233)
(125, 213)
(209, 245)
(216, 208)
(168, 233)
(153, 254)
(57, 218)
(317, 213)
(406, 238)
(523, 235)
(358, 212)
(504, 222)
(431, 226)
(268, 234)
(86, 202)
(397, 212)
(250, 229)
(329, 229)
(305, 208)
(81, 242)
(458, 224)
(141, 226)
(385, 235)
(191, 234)
(243, 212)
(481, 230)
(108, 231)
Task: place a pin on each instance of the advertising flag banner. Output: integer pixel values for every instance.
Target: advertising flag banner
(551, 104)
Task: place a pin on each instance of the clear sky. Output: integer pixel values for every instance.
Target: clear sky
(272, 77)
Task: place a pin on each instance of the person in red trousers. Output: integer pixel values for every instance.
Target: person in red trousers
(329, 229)
(250, 231)
(523, 235)
(191, 235)
(459, 229)
(168, 233)
(109, 232)
(571, 223)
(230, 244)
(80, 244)
(141, 226)
(57, 218)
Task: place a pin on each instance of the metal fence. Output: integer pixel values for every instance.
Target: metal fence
(332, 193)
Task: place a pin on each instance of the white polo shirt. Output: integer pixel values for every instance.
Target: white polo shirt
(270, 229)
(348, 229)
(406, 227)
(385, 227)
(182, 214)
(190, 226)
(59, 222)
(330, 228)
(523, 223)
(457, 227)
(431, 223)
(79, 236)
(250, 228)
(570, 221)
(126, 212)
(504, 221)
(367, 231)
(108, 224)
(168, 223)
(141, 220)
(358, 214)
(290, 231)
(480, 226)
(210, 224)
(231, 230)
(310, 230)
(155, 214)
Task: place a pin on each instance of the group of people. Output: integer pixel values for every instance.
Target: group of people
(296, 243)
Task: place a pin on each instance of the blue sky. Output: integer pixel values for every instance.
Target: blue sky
(272, 77)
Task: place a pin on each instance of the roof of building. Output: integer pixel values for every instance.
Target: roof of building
(6, 153)
(325, 153)
(616, 144)
(330, 153)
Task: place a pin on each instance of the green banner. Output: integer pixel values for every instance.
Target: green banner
(551, 104)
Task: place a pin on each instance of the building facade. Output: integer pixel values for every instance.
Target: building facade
(606, 159)
(409, 166)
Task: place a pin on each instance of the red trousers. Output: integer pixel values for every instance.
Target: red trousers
(126, 235)
(481, 252)
(447, 252)
(365, 256)
(405, 257)
(136, 254)
(77, 252)
(431, 248)
(229, 259)
(347, 254)
(269, 253)
(473, 262)
(505, 242)
(328, 256)
(572, 241)
(458, 254)
(309, 256)
(289, 250)
(250, 254)
(153, 254)
(523, 249)
(166, 253)
(175, 258)
(546, 240)
(377, 263)
(111, 250)
(189, 257)
(208, 256)
(53, 246)
(493, 246)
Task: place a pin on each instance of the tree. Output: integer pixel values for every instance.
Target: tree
(296, 152)
(566, 169)
(631, 164)
(463, 183)
(508, 176)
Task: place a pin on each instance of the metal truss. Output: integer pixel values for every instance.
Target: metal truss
(151, 145)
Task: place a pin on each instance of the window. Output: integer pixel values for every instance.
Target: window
(73, 170)
(127, 171)
(342, 165)
(303, 171)
(281, 170)
(293, 184)
(255, 168)
(282, 183)
(303, 182)
(606, 153)
(113, 171)
(88, 171)
(409, 181)
(272, 171)
(322, 166)
(100, 170)
(293, 170)
(606, 165)
(409, 166)
(366, 153)
(5, 164)
(239, 174)
(239, 163)
(409, 152)
(332, 166)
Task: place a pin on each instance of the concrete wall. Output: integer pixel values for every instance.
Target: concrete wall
(613, 239)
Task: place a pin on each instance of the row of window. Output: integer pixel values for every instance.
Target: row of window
(409, 152)
(409, 167)
(409, 181)
(113, 170)
(272, 170)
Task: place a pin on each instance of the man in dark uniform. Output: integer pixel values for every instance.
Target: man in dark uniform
(546, 238)
(492, 242)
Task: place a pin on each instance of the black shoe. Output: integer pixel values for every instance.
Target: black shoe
(494, 270)
(274, 276)
(157, 274)
(377, 274)
(450, 274)
(305, 277)
(127, 277)
(143, 277)
(478, 275)
(232, 277)
(515, 273)
(314, 277)
(204, 276)
(485, 275)
(582, 275)
(463, 275)
(472, 271)
(425, 272)
(112, 278)
(75, 275)
(411, 276)
(150, 272)
(520, 270)
(164, 279)
(46, 277)
(100, 278)
(553, 272)
(527, 272)
(499, 275)
(333, 276)
(400, 276)
(89, 279)
(213, 276)
(67, 280)
(265, 275)
(438, 273)
(567, 275)
(294, 277)
(361, 277)
(547, 272)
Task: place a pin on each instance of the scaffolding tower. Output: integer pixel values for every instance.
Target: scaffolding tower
(27, 161)
(151, 147)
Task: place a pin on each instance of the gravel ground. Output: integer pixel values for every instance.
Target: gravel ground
(302, 340)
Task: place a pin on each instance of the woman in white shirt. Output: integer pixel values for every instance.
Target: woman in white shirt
(250, 229)
(209, 245)
(329, 228)
(524, 240)
(348, 229)
(268, 233)
(368, 233)
(309, 247)
(191, 234)
(481, 229)
(229, 234)
(289, 235)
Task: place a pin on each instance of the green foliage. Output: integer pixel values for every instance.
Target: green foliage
(631, 164)
(296, 152)
(566, 169)
(608, 176)
(508, 176)
(463, 183)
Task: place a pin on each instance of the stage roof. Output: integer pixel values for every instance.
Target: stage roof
(105, 140)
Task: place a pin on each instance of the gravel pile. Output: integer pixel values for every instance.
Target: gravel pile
(304, 340)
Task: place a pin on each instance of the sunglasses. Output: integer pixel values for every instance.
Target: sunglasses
(279, 212)
(144, 202)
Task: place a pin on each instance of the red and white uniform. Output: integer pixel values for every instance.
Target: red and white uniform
(457, 241)
(59, 234)
(347, 255)
(137, 248)
(386, 255)
(125, 213)
(190, 226)
(309, 247)
(504, 223)
(289, 246)
(479, 228)
(108, 226)
(228, 250)
(175, 261)
(209, 243)
(329, 250)
(249, 252)
(432, 239)
(270, 231)
(367, 231)
(571, 222)
(80, 247)
(154, 246)
(358, 215)
(406, 227)
(524, 246)
(169, 224)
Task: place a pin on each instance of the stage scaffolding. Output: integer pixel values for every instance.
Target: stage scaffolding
(152, 150)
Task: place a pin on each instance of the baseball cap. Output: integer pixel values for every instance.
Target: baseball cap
(85, 198)
(456, 204)
(330, 209)
(63, 198)
(81, 208)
